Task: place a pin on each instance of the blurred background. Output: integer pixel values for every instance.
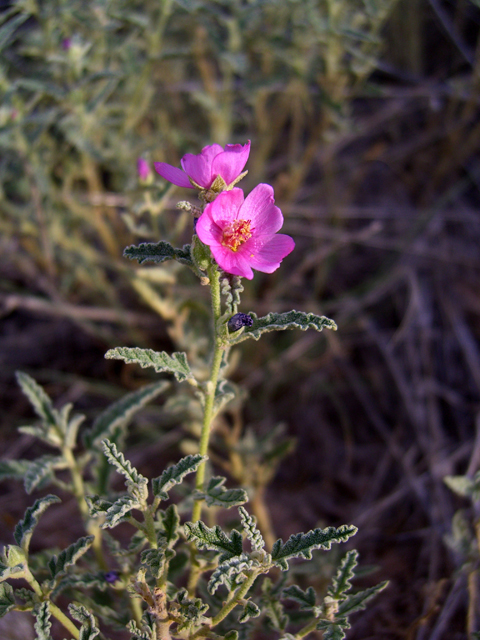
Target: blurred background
(363, 115)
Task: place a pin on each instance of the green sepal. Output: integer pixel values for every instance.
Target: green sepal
(161, 361)
(214, 539)
(89, 629)
(159, 252)
(69, 556)
(281, 321)
(251, 610)
(137, 485)
(24, 529)
(306, 599)
(250, 527)
(42, 621)
(118, 414)
(7, 598)
(175, 474)
(302, 544)
(216, 495)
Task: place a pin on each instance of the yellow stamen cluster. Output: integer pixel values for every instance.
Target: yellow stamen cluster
(236, 233)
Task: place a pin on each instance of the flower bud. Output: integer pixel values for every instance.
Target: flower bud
(144, 172)
(238, 321)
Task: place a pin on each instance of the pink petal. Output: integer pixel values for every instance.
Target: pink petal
(226, 206)
(199, 167)
(232, 261)
(259, 208)
(206, 229)
(230, 163)
(143, 168)
(173, 175)
(268, 257)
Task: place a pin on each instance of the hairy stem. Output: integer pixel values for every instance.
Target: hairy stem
(235, 599)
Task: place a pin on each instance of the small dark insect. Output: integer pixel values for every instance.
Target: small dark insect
(111, 576)
(239, 320)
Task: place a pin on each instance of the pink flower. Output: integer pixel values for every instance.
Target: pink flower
(211, 164)
(143, 169)
(242, 232)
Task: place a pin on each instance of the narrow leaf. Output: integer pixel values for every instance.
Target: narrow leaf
(41, 469)
(250, 528)
(175, 474)
(171, 523)
(137, 484)
(333, 630)
(7, 599)
(39, 399)
(120, 413)
(14, 469)
(69, 556)
(89, 629)
(281, 321)
(159, 360)
(231, 573)
(158, 252)
(302, 544)
(214, 539)
(217, 495)
(341, 582)
(24, 529)
(119, 510)
(42, 621)
(358, 601)
(7, 31)
(306, 599)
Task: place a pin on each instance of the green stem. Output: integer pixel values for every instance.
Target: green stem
(311, 626)
(235, 600)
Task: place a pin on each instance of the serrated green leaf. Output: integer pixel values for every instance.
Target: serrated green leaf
(17, 571)
(83, 581)
(175, 474)
(137, 634)
(341, 582)
(306, 599)
(302, 544)
(14, 469)
(280, 322)
(333, 630)
(24, 529)
(250, 528)
(159, 252)
(171, 523)
(38, 398)
(161, 361)
(216, 494)
(42, 621)
(41, 469)
(137, 485)
(120, 413)
(89, 629)
(69, 556)
(119, 510)
(249, 611)
(357, 601)
(97, 505)
(191, 611)
(154, 559)
(214, 539)
(231, 573)
(7, 598)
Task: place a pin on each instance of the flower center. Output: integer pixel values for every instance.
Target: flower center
(236, 233)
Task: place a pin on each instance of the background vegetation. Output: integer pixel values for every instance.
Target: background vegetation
(363, 114)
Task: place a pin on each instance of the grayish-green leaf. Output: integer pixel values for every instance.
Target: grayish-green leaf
(251, 530)
(42, 621)
(41, 469)
(214, 539)
(159, 252)
(306, 599)
(89, 629)
(136, 633)
(280, 322)
(7, 599)
(7, 30)
(333, 630)
(119, 511)
(171, 523)
(69, 556)
(341, 582)
(231, 635)
(302, 544)
(161, 361)
(137, 485)
(231, 573)
(216, 494)
(461, 485)
(24, 529)
(14, 469)
(249, 611)
(224, 393)
(39, 399)
(357, 601)
(118, 415)
(192, 611)
(97, 505)
(175, 474)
